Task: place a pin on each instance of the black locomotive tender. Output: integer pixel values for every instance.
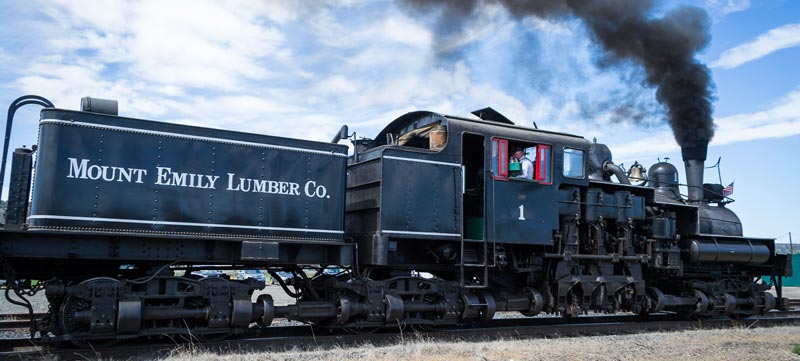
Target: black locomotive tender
(428, 221)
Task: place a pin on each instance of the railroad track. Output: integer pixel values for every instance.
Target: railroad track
(279, 338)
(16, 321)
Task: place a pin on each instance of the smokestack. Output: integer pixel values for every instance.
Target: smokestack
(694, 158)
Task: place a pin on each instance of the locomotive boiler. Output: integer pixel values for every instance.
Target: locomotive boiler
(429, 220)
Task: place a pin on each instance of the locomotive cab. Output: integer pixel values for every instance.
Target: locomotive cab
(403, 192)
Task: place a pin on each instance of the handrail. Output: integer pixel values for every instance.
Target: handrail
(12, 109)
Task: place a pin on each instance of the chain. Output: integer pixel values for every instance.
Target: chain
(19, 287)
(21, 290)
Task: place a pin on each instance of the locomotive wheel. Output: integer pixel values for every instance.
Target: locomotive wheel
(71, 307)
(702, 303)
(572, 306)
(537, 302)
(653, 301)
(728, 303)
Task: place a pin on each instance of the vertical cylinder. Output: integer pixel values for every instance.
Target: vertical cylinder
(19, 189)
(694, 179)
(694, 158)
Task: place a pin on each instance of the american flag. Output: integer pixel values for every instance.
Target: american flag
(727, 190)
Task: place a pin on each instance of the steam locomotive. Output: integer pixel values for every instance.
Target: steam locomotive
(429, 222)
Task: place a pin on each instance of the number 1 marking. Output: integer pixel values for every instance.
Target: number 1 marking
(521, 212)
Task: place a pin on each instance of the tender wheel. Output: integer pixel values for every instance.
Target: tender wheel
(75, 316)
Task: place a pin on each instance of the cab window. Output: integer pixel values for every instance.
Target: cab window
(499, 158)
(431, 136)
(532, 163)
(573, 163)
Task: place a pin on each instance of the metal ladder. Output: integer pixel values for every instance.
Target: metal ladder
(463, 267)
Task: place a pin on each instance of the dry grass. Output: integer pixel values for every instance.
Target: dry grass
(737, 344)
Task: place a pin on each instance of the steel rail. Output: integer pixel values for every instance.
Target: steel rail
(306, 337)
(14, 324)
(21, 316)
(15, 321)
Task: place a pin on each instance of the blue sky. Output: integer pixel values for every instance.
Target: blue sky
(301, 69)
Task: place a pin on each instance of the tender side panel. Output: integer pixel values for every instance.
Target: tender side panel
(123, 175)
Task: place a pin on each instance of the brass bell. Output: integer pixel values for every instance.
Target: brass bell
(636, 173)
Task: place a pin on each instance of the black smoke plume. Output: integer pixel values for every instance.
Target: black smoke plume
(626, 30)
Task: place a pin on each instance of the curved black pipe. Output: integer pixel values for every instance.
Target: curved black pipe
(12, 109)
(341, 135)
(283, 285)
(617, 171)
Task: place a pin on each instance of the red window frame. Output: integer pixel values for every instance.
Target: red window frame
(542, 166)
(542, 170)
(502, 159)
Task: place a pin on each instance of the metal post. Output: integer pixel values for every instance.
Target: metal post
(19, 189)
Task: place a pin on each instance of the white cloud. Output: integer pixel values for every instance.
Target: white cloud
(776, 39)
(172, 46)
(779, 121)
(343, 33)
(104, 16)
(491, 23)
(336, 85)
(401, 29)
(213, 45)
(728, 6)
(563, 28)
(280, 12)
(66, 84)
(636, 146)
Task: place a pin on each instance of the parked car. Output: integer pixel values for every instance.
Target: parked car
(251, 273)
(208, 273)
(333, 270)
(285, 276)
